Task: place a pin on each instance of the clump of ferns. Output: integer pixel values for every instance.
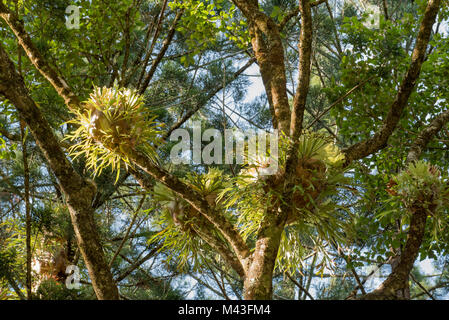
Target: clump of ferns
(420, 186)
(319, 174)
(317, 217)
(302, 243)
(112, 123)
(179, 224)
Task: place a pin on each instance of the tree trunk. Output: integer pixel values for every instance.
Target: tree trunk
(82, 216)
(79, 192)
(258, 284)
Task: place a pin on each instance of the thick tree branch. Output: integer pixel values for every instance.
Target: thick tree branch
(385, 8)
(300, 99)
(398, 278)
(288, 17)
(380, 138)
(426, 135)
(317, 2)
(197, 202)
(258, 282)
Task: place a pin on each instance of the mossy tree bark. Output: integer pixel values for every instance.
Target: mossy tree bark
(79, 193)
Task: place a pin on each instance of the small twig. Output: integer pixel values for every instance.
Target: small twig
(421, 286)
(299, 286)
(125, 238)
(339, 101)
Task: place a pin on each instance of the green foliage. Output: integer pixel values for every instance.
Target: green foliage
(419, 182)
(314, 145)
(183, 247)
(203, 22)
(378, 58)
(12, 253)
(421, 185)
(7, 152)
(350, 208)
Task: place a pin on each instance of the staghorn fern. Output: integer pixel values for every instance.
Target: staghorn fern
(317, 223)
(112, 123)
(178, 220)
(420, 185)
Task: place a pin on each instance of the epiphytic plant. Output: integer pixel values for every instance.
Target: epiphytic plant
(113, 122)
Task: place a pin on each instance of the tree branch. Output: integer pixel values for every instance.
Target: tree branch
(37, 60)
(153, 42)
(426, 135)
(198, 203)
(399, 275)
(269, 52)
(380, 138)
(305, 60)
(299, 286)
(161, 53)
(397, 279)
